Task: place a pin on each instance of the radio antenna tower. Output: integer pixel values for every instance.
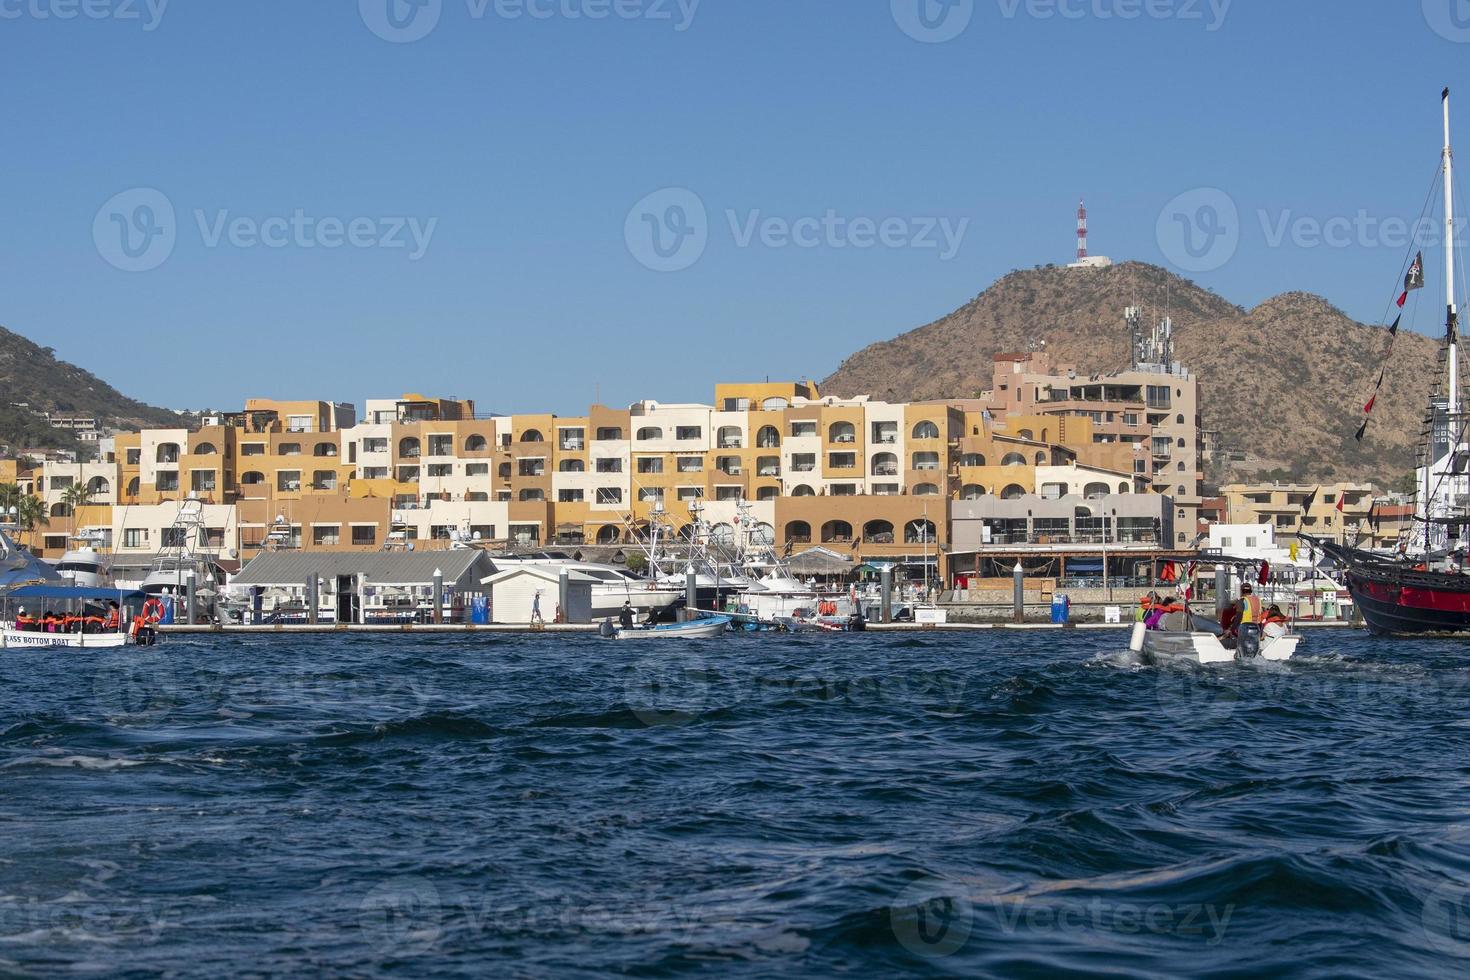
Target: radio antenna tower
(1081, 230)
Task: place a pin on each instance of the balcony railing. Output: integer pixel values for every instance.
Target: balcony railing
(886, 469)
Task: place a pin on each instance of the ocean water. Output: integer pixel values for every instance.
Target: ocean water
(869, 805)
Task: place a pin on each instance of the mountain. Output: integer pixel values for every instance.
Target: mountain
(1284, 383)
(30, 375)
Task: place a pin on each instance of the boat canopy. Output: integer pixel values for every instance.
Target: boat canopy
(67, 592)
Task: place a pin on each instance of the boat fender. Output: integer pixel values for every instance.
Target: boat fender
(1136, 644)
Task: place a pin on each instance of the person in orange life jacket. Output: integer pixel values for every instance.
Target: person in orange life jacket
(112, 621)
(24, 621)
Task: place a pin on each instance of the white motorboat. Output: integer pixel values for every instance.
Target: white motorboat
(1190, 640)
(697, 629)
(84, 564)
(185, 552)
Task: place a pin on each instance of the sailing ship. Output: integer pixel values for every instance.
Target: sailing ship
(1423, 587)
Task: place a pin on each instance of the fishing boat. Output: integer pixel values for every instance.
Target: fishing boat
(85, 563)
(696, 629)
(1424, 586)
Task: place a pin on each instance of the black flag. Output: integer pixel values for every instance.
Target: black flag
(1415, 279)
(1362, 431)
(1373, 517)
(1311, 499)
(1393, 331)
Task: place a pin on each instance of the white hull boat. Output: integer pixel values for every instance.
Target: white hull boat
(698, 629)
(13, 639)
(1203, 647)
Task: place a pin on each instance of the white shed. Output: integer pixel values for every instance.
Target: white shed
(517, 594)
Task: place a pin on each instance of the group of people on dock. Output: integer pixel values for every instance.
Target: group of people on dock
(52, 622)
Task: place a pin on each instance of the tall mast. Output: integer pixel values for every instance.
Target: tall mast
(1449, 265)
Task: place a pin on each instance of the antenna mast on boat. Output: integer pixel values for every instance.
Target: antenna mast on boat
(1451, 322)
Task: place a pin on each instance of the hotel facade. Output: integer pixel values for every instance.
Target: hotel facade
(869, 479)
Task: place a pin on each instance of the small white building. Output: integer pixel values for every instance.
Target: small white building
(518, 595)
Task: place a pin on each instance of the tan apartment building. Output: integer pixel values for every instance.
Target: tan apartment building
(1285, 508)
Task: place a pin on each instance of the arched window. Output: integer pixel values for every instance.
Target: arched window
(926, 430)
(769, 437)
(838, 532)
(1124, 488)
(476, 443)
(799, 532)
(885, 464)
(843, 432)
(972, 491)
(767, 493)
(926, 490)
(878, 532)
(917, 532)
(251, 478)
(1013, 459)
(533, 494)
(408, 447)
(1181, 466)
(609, 534)
(926, 461)
(572, 466)
(325, 449)
(775, 405)
(1013, 492)
(133, 487)
(1181, 420)
(1095, 490)
(1181, 443)
(168, 452)
(1026, 434)
(649, 433)
(532, 435)
(59, 510)
(1041, 459)
(205, 449)
(802, 490)
(98, 486)
(972, 459)
(504, 470)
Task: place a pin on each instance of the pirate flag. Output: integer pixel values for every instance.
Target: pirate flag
(1414, 280)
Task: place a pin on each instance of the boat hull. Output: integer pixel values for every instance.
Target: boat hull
(1206, 648)
(699, 629)
(28, 640)
(1412, 603)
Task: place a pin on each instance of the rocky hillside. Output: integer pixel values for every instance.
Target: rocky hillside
(1284, 383)
(31, 374)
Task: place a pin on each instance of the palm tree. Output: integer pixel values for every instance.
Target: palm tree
(74, 496)
(10, 496)
(32, 514)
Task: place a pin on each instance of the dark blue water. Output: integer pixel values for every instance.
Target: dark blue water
(881, 805)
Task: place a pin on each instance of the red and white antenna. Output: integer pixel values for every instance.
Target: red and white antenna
(1081, 230)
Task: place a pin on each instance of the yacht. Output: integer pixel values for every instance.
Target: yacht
(85, 563)
(185, 550)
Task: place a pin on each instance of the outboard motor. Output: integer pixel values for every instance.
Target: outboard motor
(606, 630)
(856, 623)
(1250, 641)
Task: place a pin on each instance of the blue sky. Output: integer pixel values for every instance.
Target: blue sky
(520, 147)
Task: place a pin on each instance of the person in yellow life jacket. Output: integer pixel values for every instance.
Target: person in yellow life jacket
(1250, 605)
(24, 621)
